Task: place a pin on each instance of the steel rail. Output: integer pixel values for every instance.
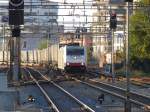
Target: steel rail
(111, 91)
(145, 85)
(122, 89)
(54, 107)
(84, 106)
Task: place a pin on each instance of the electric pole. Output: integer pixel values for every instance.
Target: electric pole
(16, 18)
(127, 102)
(113, 26)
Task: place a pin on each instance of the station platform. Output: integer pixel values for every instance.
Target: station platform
(10, 98)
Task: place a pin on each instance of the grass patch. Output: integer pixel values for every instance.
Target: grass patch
(135, 73)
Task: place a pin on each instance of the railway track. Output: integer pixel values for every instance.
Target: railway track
(136, 87)
(133, 82)
(52, 106)
(60, 99)
(135, 98)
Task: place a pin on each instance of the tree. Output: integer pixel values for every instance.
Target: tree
(42, 44)
(140, 36)
(120, 56)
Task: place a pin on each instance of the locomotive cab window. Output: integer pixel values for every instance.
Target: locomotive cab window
(75, 51)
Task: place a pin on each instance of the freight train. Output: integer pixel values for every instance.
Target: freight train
(65, 58)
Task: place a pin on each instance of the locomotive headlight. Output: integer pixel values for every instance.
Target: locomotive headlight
(82, 63)
(67, 63)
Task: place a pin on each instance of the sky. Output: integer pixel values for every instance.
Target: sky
(77, 19)
(77, 12)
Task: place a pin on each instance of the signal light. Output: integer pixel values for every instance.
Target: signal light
(113, 21)
(113, 16)
(78, 33)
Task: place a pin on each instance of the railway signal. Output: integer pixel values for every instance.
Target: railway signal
(16, 18)
(78, 33)
(113, 20)
(16, 12)
(113, 26)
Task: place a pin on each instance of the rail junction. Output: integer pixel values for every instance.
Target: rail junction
(61, 56)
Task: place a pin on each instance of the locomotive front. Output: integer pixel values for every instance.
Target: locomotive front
(75, 58)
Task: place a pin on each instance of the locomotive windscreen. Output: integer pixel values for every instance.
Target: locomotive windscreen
(75, 51)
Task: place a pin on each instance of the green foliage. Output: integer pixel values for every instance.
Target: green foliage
(146, 2)
(139, 73)
(120, 56)
(140, 37)
(89, 54)
(42, 44)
